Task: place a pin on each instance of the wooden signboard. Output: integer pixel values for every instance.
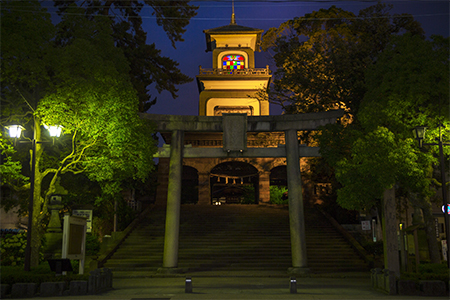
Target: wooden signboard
(74, 239)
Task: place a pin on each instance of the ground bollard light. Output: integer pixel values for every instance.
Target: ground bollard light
(293, 285)
(188, 285)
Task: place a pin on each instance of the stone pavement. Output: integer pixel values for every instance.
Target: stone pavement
(244, 285)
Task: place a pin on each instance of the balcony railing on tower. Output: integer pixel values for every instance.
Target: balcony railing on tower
(255, 71)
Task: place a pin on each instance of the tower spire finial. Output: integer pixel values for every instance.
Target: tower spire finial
(233, 19)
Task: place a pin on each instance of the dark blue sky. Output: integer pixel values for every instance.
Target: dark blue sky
(433, 15)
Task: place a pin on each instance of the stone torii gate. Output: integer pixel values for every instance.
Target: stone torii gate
(235, 128)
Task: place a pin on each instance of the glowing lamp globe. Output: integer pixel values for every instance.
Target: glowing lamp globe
(14, 131)
(54, 130)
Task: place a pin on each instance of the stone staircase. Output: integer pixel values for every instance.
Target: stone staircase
(234, 238)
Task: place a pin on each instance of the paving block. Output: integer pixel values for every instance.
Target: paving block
(23, 290)
(51, 289)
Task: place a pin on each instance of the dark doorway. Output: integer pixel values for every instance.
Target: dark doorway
(234, 183)
(278, 176)
(189, 185)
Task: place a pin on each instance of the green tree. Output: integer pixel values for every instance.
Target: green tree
(72, 75)
(407, 87)
(321, 57)
(148, 68)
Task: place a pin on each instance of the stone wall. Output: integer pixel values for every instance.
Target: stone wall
(99, 281)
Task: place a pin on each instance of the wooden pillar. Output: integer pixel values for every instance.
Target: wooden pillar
(204, 189)
(170, 259)
(264, 187)
(296, 213)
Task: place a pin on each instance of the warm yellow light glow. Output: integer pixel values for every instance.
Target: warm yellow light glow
(14, 131)
(54, 130)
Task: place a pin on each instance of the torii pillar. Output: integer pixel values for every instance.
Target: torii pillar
(172, 232)
(234, 128)
(296, 211)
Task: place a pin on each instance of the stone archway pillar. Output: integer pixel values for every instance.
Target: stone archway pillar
(264, 187)
(204, 189)
(296, 211)
(170, 258)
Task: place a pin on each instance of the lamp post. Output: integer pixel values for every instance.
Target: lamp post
(15, 131)
(419, 133)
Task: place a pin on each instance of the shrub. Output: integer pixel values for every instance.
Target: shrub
(12, 249)
(42, 273)
(433, 268)
(429, 272)
(278, 194)
(92, 244)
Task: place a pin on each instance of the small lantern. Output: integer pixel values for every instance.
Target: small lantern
(419, 134)
(14, 131)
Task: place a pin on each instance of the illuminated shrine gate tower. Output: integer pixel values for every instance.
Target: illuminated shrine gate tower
(230, 86)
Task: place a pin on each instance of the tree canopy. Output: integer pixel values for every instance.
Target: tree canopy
(407, 87)
(70, 74)
(148, 68)
(321, 57)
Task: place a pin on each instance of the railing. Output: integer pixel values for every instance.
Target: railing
(256, 71)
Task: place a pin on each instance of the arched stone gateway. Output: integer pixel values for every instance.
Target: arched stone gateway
(234, 182)
(234, 146)
(278, 176)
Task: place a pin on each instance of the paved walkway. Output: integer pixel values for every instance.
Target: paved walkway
(244, 286)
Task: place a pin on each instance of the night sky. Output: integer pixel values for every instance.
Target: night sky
(190, 54)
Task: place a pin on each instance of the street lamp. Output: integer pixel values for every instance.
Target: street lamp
(54, 130)
(15, 131)
(419, 133)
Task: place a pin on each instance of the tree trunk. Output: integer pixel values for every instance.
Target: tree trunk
(430, 230)
(390, 240)
(37, 230)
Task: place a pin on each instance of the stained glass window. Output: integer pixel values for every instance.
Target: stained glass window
(233, 62)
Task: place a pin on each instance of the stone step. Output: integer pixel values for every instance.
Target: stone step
(233, 238)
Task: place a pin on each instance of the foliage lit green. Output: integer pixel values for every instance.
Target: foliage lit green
(70, 74)
(12, 249)
(407, 87)
(277, 194)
